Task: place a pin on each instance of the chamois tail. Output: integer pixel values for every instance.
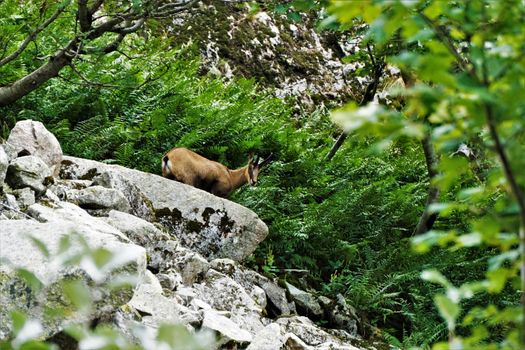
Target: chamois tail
(166, 167)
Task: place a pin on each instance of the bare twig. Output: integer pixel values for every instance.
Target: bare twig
(128, 56)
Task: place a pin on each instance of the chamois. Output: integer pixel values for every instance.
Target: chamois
(190, 168)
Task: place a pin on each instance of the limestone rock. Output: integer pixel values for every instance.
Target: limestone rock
(51, 196)
(298, 334)
(10, 151)
(30, 137)
(4, 163)
(11, 201)
(227, 330)
(61, 188)
(25, 197)
(293, 59)
(278, 304)
(161, 255)
(137, 230)
(294, 342)
(169, 281)
(28, 171)
(98, 197)
(339, 314)
(306, 303)
(274, 299)
(343, 316)
(67, 213)
(222, 293)
(269, 338)
(226, 266)
(17, 246)
(9, 209)
(304, 329)
(140, 205)
(163, 251)
(212, 226)
(191, 265)
(155, 307)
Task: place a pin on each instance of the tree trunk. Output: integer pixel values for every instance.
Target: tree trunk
(367, 97)
(342, 137)
(20, 88)
(427, 219)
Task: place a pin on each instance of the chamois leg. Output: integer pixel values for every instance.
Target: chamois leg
(221, 189)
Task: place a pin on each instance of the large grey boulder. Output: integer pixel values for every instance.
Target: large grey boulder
(30, 137)
(164, 253)
(212, 226)
(18, 250)
(28, 171)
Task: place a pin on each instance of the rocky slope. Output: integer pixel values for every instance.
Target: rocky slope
(81, 227)
(292, 57)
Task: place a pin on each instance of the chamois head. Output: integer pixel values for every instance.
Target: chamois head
(254, 168)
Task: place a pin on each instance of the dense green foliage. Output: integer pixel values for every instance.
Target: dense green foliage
(468, 83)
(349, 221)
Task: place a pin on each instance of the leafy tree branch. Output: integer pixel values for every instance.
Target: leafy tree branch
(119, 20)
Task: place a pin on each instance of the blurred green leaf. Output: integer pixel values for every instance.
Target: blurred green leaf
(447, 309)
(78, 293)
(436, 277)
(31, 279)
(41, 246)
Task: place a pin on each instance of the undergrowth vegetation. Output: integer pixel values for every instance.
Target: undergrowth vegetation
(347, 221)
